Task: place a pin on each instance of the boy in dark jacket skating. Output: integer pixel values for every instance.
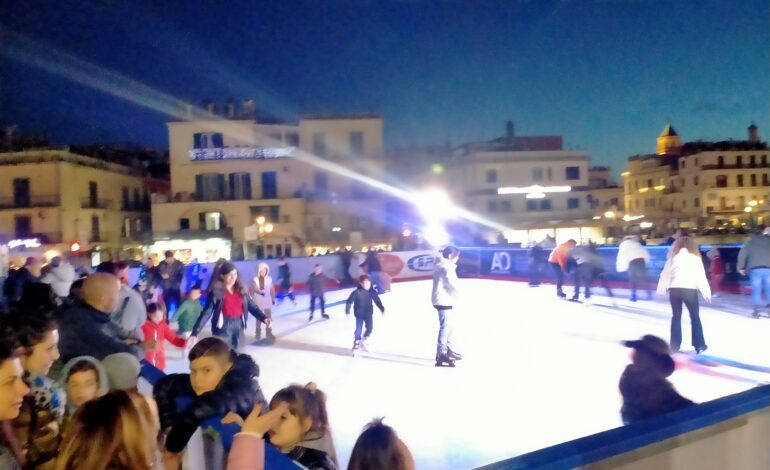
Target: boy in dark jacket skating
(361, 299)
(316, 285)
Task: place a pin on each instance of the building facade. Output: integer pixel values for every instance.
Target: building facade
(711, 186)
(244, 189)
(530, 187)
(52, 201)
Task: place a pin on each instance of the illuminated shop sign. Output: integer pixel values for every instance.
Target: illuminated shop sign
(25, 242)
(241, 153)
(536, 189)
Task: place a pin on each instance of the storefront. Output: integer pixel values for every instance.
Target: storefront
(203, 250)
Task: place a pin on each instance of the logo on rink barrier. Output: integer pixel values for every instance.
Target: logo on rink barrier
(422, 263)
(501, 263)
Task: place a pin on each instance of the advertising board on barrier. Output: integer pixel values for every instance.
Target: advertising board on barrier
(408, 264)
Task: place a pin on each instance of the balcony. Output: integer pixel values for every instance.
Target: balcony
(743, 166)
(127, 206)
(31, 202)
(89, 203)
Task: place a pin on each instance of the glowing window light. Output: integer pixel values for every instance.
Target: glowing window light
(533, 189)
(752, 203)
(645, 225)
(631, 218)
(535, 196)
(643, 190)
(26, 243)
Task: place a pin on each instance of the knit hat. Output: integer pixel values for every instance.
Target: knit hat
(122, 370)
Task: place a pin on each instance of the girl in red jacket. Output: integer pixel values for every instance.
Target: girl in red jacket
(716, 271)
(156, 332)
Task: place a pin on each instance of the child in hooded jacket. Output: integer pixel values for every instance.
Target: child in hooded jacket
(361, 299)
(84, 379)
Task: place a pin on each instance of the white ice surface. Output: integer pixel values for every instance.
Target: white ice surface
(537, 370)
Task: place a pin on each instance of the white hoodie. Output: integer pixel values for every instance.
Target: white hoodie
(60, 278)
(685, 271)
(629, 250)
(444, 283)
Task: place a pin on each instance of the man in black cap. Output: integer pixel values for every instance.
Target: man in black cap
(643, 385)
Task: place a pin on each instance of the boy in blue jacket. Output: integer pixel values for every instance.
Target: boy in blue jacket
(362, 299)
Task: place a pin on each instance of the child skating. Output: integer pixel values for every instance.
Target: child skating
(362, 300)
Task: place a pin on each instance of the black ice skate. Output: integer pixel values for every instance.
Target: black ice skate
(443, 360)
(561, 294)
(324, 316)
(454, 355)
(310, 319)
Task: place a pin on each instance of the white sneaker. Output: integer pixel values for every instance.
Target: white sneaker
(365, 345)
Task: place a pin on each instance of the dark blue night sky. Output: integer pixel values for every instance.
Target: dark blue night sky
(605, 74)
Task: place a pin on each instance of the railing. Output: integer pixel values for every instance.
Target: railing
(134, 207)
(742, 166)
(35, 201)
(89, 203)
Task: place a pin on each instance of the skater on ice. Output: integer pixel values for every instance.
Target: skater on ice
(558, 260)
(362, 300)
(634, 257)
(683, 277)
(754, 261)
(284, 280)
(316, 284)
(443, 298)
(263, 295)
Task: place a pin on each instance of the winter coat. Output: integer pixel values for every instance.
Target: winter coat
(312, 459)
(17, 283)
(37, 429)
(445, 283)
(755, 253)
(238, 391)
(159, 333)
(131, 313)
(284, 276)
(361, 300)
(263, 296)
(647, 393)
(187, 315)
(85, 331)
(316, 284)
(175, 272)
(684, 270)
(371, 263)
(717, 267)
(213, 311)
(559, 255)
(629, 250)
(589, 256)
(60, 278)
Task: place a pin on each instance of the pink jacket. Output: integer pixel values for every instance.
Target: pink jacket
(247, 452)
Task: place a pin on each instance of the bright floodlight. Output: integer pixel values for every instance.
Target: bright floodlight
(435, 205)
(269, 228)
(260, 220)
(436, 235)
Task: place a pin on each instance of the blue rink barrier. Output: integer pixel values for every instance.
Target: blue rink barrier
(619, 441)
(516, 264)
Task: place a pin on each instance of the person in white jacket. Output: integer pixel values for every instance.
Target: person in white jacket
(634, 257)
(60, 277)
(263, 294)
(683, 277)
(443, 299)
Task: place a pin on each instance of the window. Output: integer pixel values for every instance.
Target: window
(93, 194)
(269, 185)
(357, 144)
(537, 174)
(210, 187)
(683, 163)
(137, 199)
(319, 144)
(126, 201)
(721, 181)
(738, 160)
(505, 206)
(531, 205)
(753, 161)
(764, 160)
(740, 180)
(695, 181)
(184, 224)
(321, 180)
(491, 206)
(211, 221)
(208, 140)
(545, 204)
(696, 203)
(765, 181)
(240, 186)
(95, 228)
(292, 138)
(573, 203)
(572, 172)
(720, 162)
(270, 213)
(649, 183)
(23, 226)
(491, 176)
(21, 193)
(753, 180)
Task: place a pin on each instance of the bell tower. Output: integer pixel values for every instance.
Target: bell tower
(668, 141)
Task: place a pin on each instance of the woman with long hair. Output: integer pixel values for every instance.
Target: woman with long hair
(682, 277)
(115, 432)
(227, 306)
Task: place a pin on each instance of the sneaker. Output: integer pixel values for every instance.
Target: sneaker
(561, 294)
(365, 345)
(325, 316)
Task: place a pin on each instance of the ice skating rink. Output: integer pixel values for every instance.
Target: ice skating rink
(537, 370)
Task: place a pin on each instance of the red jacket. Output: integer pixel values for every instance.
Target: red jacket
(160, 332)
(717, 267)
(559, 255)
